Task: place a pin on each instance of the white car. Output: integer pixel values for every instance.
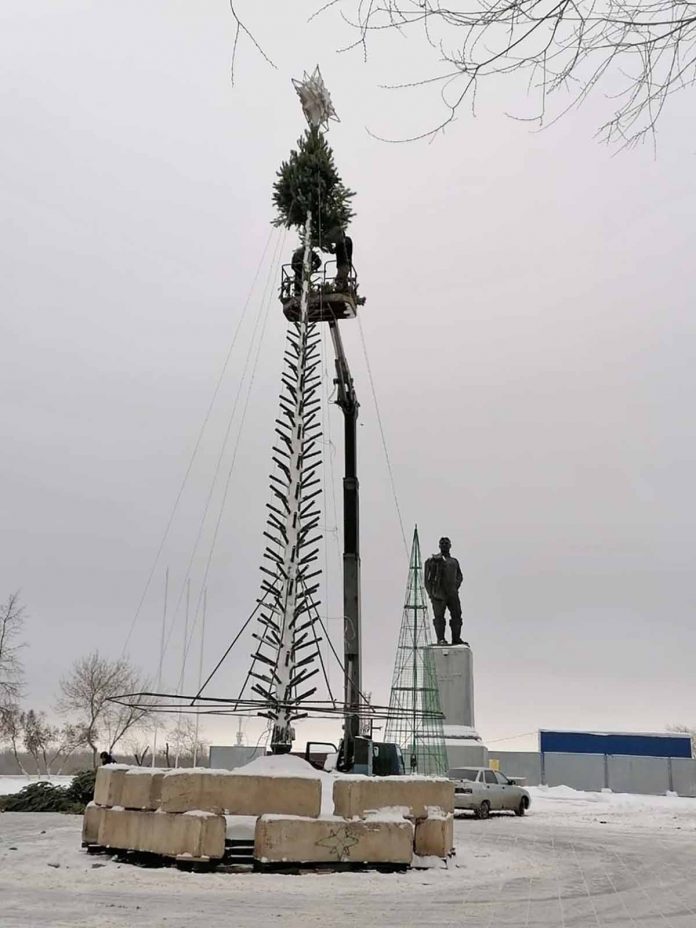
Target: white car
(482, 790)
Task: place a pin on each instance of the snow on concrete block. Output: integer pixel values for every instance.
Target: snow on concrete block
(239, 794)
(417, 796)
(331, 839)
(107, 787)
(90, 824)
(141, 789)
(198, 835)
(434, 837)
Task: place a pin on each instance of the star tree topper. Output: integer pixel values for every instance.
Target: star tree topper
(315, 99)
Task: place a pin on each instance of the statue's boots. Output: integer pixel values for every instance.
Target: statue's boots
(439, 621)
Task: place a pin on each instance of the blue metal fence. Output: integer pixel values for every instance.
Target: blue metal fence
(635, 744)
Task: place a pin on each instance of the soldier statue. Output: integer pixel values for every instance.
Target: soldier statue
(443, 577)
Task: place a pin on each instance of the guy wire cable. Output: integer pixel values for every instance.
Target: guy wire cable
(232, 465)
(196, 446)
(250, 351)
(384, 440)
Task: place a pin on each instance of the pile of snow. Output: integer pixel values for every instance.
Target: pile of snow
(269, 765)
(563, 794)
(279, 765)
(241, 827)
(142, 769)
(562, 805)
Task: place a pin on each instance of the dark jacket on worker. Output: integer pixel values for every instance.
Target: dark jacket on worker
(442, 576)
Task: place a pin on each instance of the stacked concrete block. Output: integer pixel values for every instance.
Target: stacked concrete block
(427, 802)
(124, 816)
(418, 797)
(240, 794)
(180, 814)
(108, 785)
(434, 837)
(141, 788)
(90, 824)
(331, 839)
(196, 836)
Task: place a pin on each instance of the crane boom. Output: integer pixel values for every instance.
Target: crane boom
(352, 638)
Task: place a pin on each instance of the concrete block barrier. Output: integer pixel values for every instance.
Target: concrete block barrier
(141, 789)
(90, 823)
(356, 796)
(198, 835)
(434, 837)
(240, 794)
(331, 839)
(108, 785)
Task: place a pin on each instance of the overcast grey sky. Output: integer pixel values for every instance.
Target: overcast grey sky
(529, 325)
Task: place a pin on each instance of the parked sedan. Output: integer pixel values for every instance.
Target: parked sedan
(482, 791)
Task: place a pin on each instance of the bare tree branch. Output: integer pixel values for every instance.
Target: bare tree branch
(11, 730)
(569, 46)
(139, 748)
(87, 693)
(188, 747)
(11, 670)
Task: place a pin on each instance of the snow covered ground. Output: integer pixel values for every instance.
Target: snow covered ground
(578, 859)
(560, 805)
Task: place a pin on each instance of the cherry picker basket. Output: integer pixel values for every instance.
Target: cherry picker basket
(329, 298)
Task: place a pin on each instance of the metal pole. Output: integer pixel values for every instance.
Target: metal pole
(161, 659)
(183, 671)
(200, 671)
(414, 611)
(282, 736)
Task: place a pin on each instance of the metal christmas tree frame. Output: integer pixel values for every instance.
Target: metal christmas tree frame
(415, 717)
(288, 646)
(286, 618)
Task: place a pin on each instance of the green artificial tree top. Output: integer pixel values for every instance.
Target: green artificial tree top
(308, 180)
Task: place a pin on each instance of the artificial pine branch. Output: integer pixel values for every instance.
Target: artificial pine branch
(308, 180)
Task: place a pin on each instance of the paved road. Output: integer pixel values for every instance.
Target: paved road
(526, 873)
(587, 876)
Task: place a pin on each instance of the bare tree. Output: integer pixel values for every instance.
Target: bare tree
(642, 51)
(189, 749)
(87, 694)
(11, 730)
(48, 744)
(11, 669)
(139, 748)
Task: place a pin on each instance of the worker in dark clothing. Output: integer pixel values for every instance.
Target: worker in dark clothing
(443, 577)
(106, 758)
(297, 264)
(338, 243)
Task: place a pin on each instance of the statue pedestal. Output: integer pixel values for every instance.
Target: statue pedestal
(454, 670)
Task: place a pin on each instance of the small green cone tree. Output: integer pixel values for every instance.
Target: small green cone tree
(308, 180)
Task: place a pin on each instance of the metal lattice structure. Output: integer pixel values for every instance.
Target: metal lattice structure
(415, 717)
(287, 646)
